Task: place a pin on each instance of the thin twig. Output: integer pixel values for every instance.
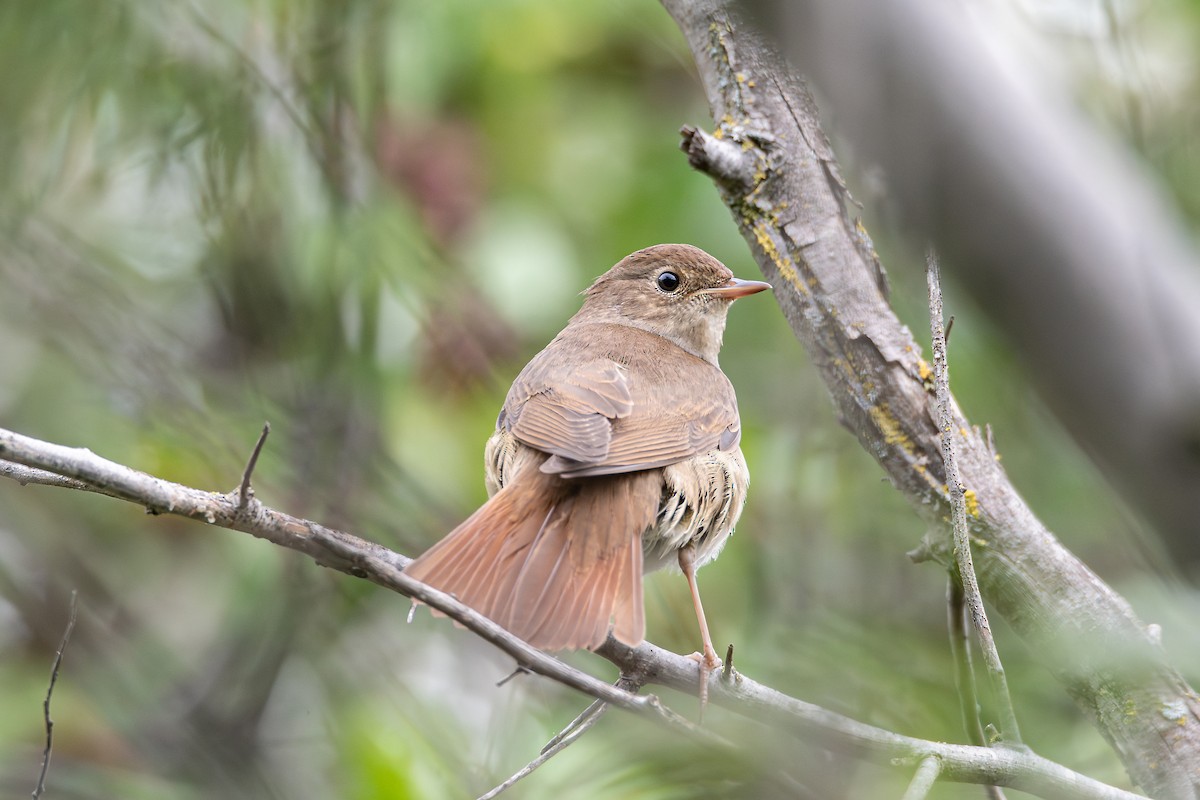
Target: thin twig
(923, 780)
(561, 741)
(1009, 731)
(245, 492)
(964, 670)
(960, 650)
(596, 707)
(58, 657)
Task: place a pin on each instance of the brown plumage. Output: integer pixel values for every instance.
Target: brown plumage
(616, 453)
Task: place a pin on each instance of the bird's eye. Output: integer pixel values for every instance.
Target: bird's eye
(668, 281)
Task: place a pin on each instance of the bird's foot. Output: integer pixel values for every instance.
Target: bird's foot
(709, 662)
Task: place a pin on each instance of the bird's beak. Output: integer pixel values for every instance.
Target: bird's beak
(737, 288)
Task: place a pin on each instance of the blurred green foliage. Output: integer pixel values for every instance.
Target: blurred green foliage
(357, 219)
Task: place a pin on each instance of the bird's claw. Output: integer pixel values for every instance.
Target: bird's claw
(709, 662)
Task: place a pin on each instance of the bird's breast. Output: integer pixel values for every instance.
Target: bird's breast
(701, 501)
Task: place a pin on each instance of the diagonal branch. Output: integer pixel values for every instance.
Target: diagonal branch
(561, 741)
(643, 665)
(828, 282)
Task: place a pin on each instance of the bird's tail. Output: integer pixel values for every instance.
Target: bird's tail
(557, 562)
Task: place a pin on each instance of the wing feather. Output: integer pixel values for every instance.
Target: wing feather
(599, 409)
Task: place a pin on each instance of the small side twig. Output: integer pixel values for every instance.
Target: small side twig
(964, 563)
(58, 657)
(30, 475)
(245, 492)
(561, 741)
(922, 782)
(518, 670)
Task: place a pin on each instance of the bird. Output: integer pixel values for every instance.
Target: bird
(616, 453)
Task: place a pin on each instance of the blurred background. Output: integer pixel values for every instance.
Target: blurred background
(357, 219)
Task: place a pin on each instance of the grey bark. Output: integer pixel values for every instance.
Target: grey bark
(1054, 229)
(792, 210)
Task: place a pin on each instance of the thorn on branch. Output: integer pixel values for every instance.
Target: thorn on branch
(520, 670)
(721, 159)
(727, 673)
(245, 492)
(58, 657)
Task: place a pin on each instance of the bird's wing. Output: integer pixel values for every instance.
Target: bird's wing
(569, 411)
(696, 425)
(603, 418)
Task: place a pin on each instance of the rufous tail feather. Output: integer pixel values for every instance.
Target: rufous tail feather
(558, 562)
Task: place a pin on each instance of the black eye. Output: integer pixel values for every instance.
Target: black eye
(668, 281)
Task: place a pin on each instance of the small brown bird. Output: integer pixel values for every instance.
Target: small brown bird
(616, 453)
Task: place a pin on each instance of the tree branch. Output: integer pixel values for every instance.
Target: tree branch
(643, 665)
(827, 279)
(1058, 233)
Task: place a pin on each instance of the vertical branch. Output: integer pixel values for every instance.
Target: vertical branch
(58, 657)
(963, 562)
(964, 670)
(960, 650)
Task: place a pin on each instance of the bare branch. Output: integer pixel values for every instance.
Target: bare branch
(960, 650)
(58, 657)
(327, 547)
(645, 664)
(1080, 259)
(30, 475)
(964, 565)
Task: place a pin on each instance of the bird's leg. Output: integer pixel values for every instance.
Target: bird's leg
(708, 659)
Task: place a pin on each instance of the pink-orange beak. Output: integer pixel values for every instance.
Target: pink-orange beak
(737, 288)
